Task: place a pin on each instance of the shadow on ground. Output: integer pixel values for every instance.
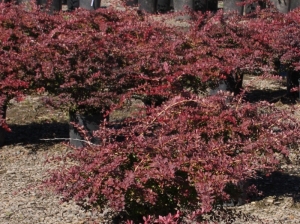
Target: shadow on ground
(31, 135)
(278, 184)
(272, 96)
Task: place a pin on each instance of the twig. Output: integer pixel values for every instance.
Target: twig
(68, 139)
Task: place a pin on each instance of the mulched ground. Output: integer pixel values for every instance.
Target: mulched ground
(23, 167)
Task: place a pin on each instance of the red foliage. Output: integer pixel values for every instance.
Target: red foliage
(92, 58)
(188, 149)
(88, 60)
(182, 155)
(13, 53)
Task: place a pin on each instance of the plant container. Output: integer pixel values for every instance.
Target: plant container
(232, 84)
(2, 136)
(132, 3)
(163, 6)
(181, 5)
(212, 5)
(90, 122)
(2, 130)
(72, 4)
(206, 5)
(90, 4)
(172, 5)
(292, 80)
(252, 7)
(231, 5)
(223, 86)
(283, 6)
(294, 4)
(147, 5)
(50, 5)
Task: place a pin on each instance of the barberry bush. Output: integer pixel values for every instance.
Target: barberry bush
(88, 59)
(125, 49)
(13, 44)
(185, 150)
(180, 157)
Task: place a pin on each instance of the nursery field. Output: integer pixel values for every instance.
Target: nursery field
(168, 147)
(36, 135)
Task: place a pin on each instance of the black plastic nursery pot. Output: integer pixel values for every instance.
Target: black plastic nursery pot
(89, 121)
(72, 4)
(2, 131)
(294, 4)
(206, 5)
(181, 5)
(147, 5)
(292, 80)
(235, 83)
(252, 7)
(231, 5)
(223, 86)
(283, 6)
(51, 5)
(163, 6)
(132, 3)
(232, 84)
(2, 136)
(90, 4)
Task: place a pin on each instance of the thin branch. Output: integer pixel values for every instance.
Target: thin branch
(67, 139)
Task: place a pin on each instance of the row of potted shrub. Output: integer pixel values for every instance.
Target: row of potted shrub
(86, 60)
(153, 6)
(190, 148)
(190, 153)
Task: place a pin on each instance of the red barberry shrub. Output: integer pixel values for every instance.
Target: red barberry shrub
(235, 43)
(188, 150)
(92, 58)
(188, 153)
(179, 157)
(14, 46)
(264, 41)
(274, 37)
(88, 59)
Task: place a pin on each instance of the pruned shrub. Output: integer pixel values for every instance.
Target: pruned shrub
(181, 157)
